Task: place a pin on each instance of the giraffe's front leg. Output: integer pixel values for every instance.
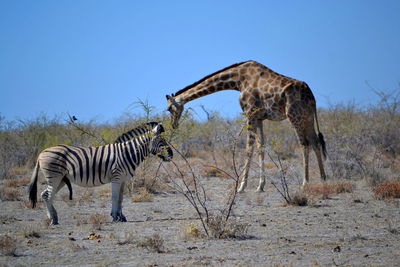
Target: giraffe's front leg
(249, 149)
(261, 154)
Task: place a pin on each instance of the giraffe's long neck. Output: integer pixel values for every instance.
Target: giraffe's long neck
(227, 79)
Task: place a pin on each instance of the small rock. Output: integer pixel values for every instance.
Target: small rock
(337, 249)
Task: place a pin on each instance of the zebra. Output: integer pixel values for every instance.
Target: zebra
(94, 166)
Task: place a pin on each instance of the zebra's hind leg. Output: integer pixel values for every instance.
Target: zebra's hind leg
(54, 184)
(48, 196)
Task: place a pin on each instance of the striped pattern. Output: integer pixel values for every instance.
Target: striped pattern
(94, 166)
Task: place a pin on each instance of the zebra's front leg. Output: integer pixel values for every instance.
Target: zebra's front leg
(116, 198)
(121, 197)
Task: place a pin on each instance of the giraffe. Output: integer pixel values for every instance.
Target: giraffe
(264, 95)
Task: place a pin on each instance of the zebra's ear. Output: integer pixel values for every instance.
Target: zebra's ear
(158, 129)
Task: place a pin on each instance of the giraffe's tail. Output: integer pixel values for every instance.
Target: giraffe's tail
(321, 139)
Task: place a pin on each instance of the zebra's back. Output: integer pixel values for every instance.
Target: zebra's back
(84, 166)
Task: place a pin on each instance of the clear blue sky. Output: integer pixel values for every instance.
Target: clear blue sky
(93, 59)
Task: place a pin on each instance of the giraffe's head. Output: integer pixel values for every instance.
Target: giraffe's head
(176, 109)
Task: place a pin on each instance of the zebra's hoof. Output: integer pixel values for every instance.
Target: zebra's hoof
(119, 218)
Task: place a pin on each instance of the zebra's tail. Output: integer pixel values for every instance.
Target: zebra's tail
(33, 185)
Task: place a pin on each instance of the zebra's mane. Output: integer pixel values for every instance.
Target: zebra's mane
(135, 132)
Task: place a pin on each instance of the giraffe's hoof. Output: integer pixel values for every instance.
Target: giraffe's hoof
(259, 190)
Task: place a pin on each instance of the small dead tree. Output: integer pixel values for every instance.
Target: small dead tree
(188, 184)
(282, 186)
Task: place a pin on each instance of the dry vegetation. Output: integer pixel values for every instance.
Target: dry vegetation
(191, 204)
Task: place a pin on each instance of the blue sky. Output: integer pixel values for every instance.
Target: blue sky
(93, 59)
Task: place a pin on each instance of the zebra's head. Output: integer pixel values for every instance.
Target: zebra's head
(175, 108)
(160, 148)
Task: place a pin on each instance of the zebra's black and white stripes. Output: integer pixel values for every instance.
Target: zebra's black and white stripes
(94, 166)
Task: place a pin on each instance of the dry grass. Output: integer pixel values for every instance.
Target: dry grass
(128, 239)
(191, 231)
(299, 199)
(87, 196)
(143, 196)
(15, 182)
(19, 170)
(387, 189)
(9, 193)
(154, 243)
(326, 189)
(343, 187)
(8, 245)
(96, 220)
(104, 191)
(212, 171)
(220, 228)
(30, 231)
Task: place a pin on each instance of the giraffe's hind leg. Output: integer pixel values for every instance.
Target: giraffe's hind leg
(307, 137)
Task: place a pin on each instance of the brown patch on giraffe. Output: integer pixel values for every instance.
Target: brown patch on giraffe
(225, 76)
(233, 84)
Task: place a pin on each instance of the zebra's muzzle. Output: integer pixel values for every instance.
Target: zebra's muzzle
(169, 155)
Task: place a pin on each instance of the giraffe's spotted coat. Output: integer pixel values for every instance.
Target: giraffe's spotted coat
(264, 95)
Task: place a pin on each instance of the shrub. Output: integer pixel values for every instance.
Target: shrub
(212, 171)
(326, 189)
(192, 231)
(220, 228)
(31, 231)
(9, 194)
(299, 199)
(8, 245)
(143, 196)
(387, 189)
(322, 189)
(343, 187)
(154, 243)
(127, 240)
(97, 220)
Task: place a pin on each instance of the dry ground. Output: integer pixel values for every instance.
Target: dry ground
(351, 229)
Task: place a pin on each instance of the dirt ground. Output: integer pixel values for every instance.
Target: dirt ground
(348, 229)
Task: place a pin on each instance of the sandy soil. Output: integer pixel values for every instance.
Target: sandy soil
(350, 229)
